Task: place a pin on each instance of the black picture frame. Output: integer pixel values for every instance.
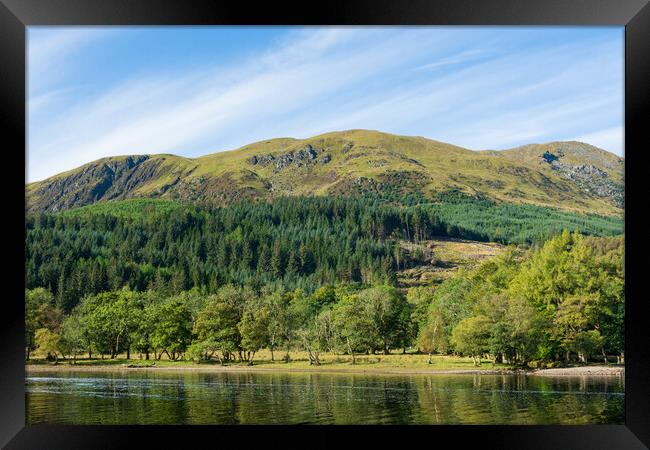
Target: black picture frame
(16, 15)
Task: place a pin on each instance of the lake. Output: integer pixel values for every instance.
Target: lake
(168, 397)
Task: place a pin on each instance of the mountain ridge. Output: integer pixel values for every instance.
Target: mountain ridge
(567, 175)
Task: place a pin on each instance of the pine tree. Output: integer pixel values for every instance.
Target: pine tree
(277, 263)
(264, 259)
(292, 264)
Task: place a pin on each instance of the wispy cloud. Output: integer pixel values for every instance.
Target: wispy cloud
(465, 56)
(50, 53)
(322, 79)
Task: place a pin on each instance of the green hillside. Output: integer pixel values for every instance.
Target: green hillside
(568, 175)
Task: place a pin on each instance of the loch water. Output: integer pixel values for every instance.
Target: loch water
(177, 397)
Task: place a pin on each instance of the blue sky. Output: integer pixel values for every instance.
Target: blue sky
(103, 91)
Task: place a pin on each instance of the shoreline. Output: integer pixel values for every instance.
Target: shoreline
(595, 371)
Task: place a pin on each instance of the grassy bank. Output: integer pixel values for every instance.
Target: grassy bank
(409, 363)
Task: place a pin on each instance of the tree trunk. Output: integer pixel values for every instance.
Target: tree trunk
(604, 356)
(271, 347)
(429, 361)
(354, 361)
(146, 355)
(128, 353)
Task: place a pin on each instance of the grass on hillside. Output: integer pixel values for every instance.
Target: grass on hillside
(447, 256)
(513, 176)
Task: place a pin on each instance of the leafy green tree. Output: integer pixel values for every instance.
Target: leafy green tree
(39, 313)
(574, 316)
(352, 326)
(420, 297)
(325, 332)
(280, 320)
(172, 330)
(73, 339)
(472, 337)
(587, 343)
(388, 312)
(111, 318)
(48, 343)
(254, 329)
(449, 305)
(216, 326)
(431, 338)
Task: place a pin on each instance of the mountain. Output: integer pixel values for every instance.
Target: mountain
(568, 175)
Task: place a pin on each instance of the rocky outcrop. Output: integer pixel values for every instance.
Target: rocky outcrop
(101, 180)
(593, 181)
(262, 160)
(305, 156)
(298, 158)
(587, 177)
(377, 162)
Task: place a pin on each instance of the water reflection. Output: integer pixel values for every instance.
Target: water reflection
(290, 398)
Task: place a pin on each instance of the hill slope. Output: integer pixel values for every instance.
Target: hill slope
(569, 175)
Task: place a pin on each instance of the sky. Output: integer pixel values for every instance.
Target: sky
(103, 91)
